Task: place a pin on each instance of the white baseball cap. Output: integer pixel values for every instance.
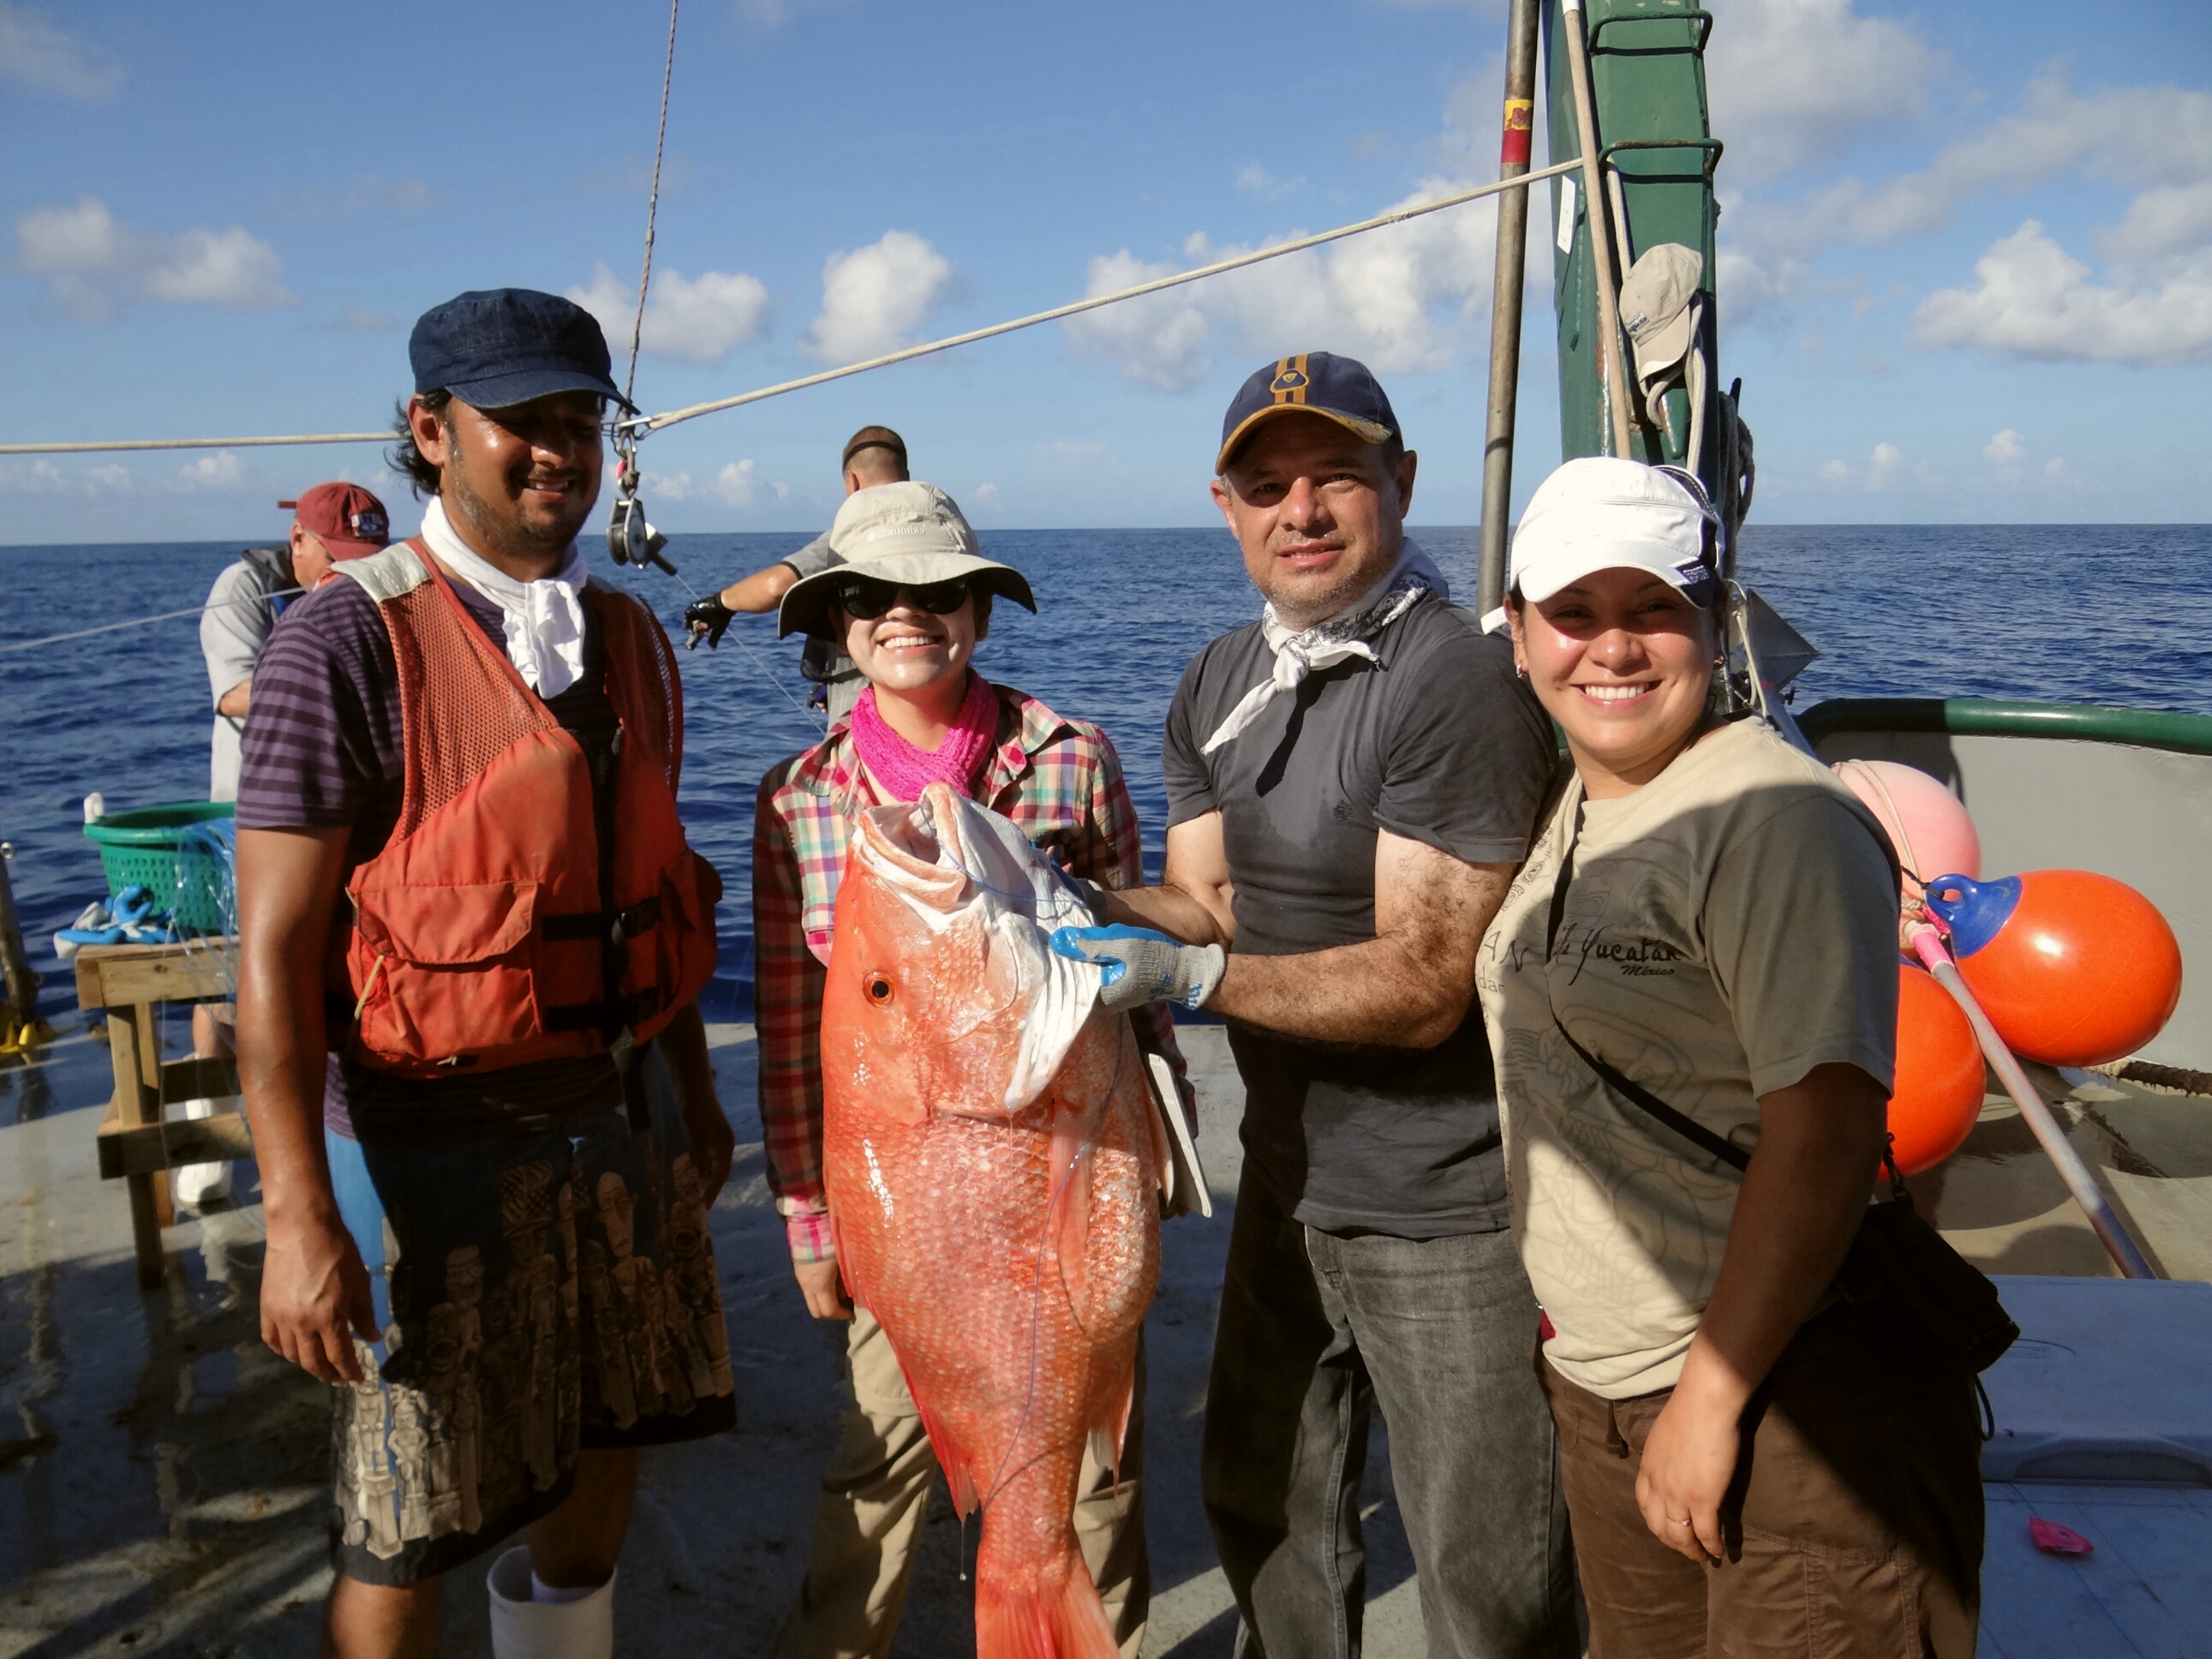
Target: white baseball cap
(1601, 513)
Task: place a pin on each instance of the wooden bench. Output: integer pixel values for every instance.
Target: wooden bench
(136, 1145)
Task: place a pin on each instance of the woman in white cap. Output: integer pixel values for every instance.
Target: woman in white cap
(908, 600)
(1708, 923)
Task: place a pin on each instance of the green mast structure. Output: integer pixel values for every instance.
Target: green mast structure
(1656, 159)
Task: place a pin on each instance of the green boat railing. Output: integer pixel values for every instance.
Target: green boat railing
(1981, 717)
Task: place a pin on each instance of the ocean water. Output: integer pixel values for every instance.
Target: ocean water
(2111, 614)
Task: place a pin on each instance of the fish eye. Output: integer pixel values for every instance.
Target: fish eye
(877, 989)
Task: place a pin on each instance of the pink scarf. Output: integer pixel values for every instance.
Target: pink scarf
(904, 770)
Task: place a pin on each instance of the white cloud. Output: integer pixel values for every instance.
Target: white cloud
(874, 297)
(1882, 466)
(44, 477)
(1835, 472)
(230, 267)
(1397, 299)
(1392, 298)
(220, 470)
(2034, 300)
(1258, 181)
(92, 263)
(1792, 81)
(738, 483)
(2172, 219)
(983, 494)
(1160, 340)
(2005, 447)
(37, 53)
(2141, 136)
(697, 320)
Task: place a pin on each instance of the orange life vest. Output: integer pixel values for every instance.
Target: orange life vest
(483, 935)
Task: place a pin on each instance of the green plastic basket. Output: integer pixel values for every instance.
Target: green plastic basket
(140, 848)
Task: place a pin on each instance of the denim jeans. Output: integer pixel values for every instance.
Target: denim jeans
(1316, 1330)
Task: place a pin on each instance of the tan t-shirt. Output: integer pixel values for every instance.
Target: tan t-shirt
(1730, 926)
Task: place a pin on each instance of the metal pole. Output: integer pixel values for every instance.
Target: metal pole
(1506, 297)
(1594, 192)
(2126, 1254)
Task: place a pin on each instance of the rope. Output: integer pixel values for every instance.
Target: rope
(652, 205)
(654, 424)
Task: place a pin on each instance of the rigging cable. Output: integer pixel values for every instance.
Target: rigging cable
(1398, 215)
(652, 206)
(1299, 245)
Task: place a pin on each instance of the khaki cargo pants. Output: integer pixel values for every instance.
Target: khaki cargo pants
(867, 1527)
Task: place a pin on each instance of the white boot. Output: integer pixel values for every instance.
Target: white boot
(524, 1629)
(194, 1185)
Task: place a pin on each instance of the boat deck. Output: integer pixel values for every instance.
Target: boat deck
(162, 1476)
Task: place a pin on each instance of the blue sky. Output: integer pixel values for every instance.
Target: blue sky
(1967, 250)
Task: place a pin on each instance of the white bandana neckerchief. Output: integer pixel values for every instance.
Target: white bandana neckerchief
(1335, 639)
(544, 618)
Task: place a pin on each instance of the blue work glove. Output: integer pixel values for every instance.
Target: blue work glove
(707, 619)
(1142, 966)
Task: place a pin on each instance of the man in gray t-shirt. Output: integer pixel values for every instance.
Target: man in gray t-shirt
(332, 521)
(873, 455)
(1351, 782)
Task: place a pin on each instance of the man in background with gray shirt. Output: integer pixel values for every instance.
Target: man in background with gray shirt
(873, 455)
(330, 522)
(1351, 782)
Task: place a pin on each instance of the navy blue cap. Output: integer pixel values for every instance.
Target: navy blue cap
(1310, 383)
(498, 347)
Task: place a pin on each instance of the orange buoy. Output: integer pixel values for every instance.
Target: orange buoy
(1939, 1074)
(2073, 969)
(1925, 822)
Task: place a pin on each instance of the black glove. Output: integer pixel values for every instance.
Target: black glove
(708, 619)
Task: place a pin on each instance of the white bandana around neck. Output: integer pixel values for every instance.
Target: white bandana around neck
(544, 618)
(1336, 639)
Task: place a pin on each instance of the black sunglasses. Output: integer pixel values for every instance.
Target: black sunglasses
(864, 599)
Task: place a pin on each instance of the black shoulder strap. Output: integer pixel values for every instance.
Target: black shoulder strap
(1635, 1093)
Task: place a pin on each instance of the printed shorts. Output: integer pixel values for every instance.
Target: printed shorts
(538, 1294)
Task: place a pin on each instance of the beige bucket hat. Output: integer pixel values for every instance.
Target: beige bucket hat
(911, 534)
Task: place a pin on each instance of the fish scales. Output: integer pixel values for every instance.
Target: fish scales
(1009, 1246)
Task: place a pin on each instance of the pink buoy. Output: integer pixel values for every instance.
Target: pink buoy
(1924, 821)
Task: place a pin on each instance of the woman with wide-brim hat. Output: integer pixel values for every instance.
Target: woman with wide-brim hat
(909, 602)
(1709, 920)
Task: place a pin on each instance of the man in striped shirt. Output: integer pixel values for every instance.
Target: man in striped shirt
(506, 1267)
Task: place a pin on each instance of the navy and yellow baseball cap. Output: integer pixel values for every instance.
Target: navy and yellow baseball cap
(1310, 383)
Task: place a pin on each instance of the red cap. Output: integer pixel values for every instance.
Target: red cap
(345, 518)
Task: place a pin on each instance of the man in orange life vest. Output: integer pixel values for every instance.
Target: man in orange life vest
(471, 936)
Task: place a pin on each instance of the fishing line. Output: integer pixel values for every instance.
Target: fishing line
(766, 672)
(141, 622)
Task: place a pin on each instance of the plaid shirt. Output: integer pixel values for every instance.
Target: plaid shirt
(1059, 780)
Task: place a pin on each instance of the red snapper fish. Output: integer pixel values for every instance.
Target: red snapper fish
(993, 1163)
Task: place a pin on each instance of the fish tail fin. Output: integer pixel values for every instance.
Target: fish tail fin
(1047, 1615)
